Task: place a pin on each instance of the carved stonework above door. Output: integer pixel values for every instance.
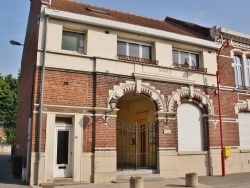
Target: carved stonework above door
(191, 93)
(139, 87)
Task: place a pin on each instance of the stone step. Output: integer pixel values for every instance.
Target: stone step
(147, 175)
(61, 182)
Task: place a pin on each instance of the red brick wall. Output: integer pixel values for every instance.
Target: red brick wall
(226, 71)
(28, 66)
(66, 88)
(80, 89)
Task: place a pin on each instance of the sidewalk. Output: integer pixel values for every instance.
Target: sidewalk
(241, 180)
(7, 180)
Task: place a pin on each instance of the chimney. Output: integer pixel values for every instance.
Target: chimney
(46, 2)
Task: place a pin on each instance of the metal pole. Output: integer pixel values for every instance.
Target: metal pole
(219, 106)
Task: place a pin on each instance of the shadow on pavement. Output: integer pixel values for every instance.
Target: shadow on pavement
(234, 180)
(6, 176)
(174, 185)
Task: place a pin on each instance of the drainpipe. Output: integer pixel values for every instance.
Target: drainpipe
(28, 151)
(46, 18)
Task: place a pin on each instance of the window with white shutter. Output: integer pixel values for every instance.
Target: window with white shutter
(244, 130)
(190, 128)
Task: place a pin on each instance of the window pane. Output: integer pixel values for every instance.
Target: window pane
(72, 41)
(238, 71)
(194, 60)
(133, 50)
(175, 56)
(184, 58)
(121, 48)
(248, 61)
(62, 147)
(248, 71)
(67, 120)
(146, 52)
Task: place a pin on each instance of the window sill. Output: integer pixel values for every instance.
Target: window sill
(72, 52)
(65, 52)
(245, 151)
(239, 88)
(189, 68)
(192, 153)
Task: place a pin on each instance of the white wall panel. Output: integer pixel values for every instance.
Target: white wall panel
(244, 130)
(190, 131)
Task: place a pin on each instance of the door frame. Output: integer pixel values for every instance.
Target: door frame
(63, 173)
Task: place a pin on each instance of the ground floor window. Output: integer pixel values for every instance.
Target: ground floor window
(244, 130)
(190, 128)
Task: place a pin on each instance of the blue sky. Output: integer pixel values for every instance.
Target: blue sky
(230, 14)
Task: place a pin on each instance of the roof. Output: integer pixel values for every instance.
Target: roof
(165, 25)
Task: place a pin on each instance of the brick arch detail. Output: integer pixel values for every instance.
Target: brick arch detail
(143, 88)
(191, 93)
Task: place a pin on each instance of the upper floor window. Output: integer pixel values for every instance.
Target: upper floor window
(130, 51)
(238, 71)
(248, 71)
(134, 50)
(186, 59)
(73, 41)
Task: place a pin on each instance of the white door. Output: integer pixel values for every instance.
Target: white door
(190, 128)
(63, 152)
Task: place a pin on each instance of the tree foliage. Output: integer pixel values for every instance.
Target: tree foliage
(8, 105)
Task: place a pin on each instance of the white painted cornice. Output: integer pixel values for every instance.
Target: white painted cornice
(234, 33)
(129, 28)
(216, 32)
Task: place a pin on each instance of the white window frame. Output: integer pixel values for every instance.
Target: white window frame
(83, 41)
(140, 47)
(238, 70)
(189, 57)
(248, 71)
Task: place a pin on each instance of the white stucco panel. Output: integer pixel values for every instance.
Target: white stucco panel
(101, 44)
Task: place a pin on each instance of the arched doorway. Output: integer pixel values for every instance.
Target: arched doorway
(136, 132)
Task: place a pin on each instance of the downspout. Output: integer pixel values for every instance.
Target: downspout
(46, 17)
(28, 151)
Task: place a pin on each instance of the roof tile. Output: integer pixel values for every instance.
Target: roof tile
(165, 25)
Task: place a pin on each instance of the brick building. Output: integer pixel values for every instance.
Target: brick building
(80, 59)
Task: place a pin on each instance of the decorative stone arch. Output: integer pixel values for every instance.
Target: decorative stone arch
(138, 87)
(243, 106)
(191, 93)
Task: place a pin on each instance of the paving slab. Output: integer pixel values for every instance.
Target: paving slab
(240, 180)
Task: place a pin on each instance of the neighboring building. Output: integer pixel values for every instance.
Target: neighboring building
(78, 59)
(2, 135)
(4, 146)
(235, 85)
